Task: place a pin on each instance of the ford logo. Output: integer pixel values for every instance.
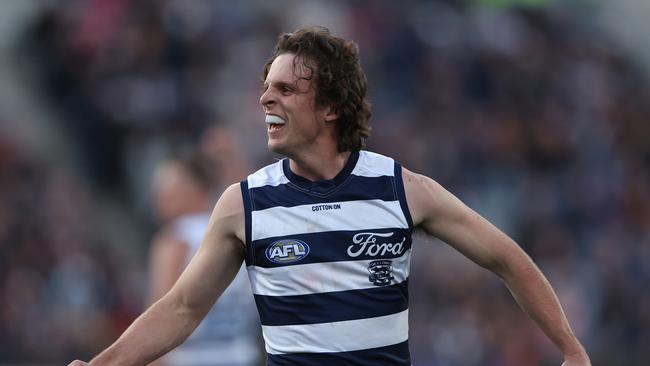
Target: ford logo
(287, 251)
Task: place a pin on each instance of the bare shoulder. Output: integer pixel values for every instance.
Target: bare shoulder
(435, 209)
(228, 215)
(231, 200)
(422, 195)
(414, 180)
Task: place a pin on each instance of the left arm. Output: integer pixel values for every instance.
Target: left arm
(441, 214)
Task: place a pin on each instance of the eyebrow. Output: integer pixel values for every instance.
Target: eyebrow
(280, 84)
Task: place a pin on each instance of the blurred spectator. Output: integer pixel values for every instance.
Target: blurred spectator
(229, 334)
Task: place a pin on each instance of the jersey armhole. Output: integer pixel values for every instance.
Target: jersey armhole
(249, 258)
(401, 194)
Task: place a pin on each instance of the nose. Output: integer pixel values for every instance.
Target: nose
(267, 99)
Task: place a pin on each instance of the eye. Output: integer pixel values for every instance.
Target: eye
(286, 90)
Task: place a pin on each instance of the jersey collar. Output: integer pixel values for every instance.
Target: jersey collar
(325, 185)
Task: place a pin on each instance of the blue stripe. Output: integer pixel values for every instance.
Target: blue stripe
(402, 194)
(354, 189)
(332, 246)
(249, 255)
(393, 355)
(332, 306)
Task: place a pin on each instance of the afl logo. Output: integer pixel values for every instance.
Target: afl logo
(287, 251)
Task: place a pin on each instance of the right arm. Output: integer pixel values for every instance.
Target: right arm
(169, 321)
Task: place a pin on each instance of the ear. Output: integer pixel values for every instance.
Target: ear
(331, 115)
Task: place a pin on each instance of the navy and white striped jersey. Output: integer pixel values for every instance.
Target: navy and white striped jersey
(329, 263)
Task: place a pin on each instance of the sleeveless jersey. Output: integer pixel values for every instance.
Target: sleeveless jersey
(329, 263)
(228, 335)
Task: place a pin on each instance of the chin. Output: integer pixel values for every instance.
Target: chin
(276, 147)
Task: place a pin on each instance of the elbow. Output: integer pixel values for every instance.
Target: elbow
(497, 266)
(174, 303)
(511, 262)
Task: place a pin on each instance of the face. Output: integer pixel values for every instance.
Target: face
(174, 192)
(289, 95)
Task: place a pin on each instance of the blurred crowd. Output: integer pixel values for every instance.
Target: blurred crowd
(531, 115)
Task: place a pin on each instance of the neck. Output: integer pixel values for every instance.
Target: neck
(320, 166)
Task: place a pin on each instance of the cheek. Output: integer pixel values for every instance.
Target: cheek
(303, 106)
(307, 116)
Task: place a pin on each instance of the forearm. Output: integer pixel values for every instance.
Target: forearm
(158, 330)
(536, 297)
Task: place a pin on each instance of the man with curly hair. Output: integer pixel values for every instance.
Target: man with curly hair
(326, 232)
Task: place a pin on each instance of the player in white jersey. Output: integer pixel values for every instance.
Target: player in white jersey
(315, 108)
(228, 335)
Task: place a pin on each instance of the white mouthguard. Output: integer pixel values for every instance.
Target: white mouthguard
(270, 118)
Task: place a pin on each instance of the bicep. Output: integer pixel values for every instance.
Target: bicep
(218, 259)
(439, 213)
(208, 274)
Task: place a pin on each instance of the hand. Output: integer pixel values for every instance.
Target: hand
(78, 363)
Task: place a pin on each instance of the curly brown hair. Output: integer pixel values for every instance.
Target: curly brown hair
(337, 78)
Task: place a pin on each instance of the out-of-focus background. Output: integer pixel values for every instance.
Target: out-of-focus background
(536, 113)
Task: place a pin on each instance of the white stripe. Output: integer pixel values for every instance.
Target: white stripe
(345, 336)
(371, 164)
(353, 215)
(270, 175)
(316, 278)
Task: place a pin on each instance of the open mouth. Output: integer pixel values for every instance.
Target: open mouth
(275, 127)
(274, 122)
